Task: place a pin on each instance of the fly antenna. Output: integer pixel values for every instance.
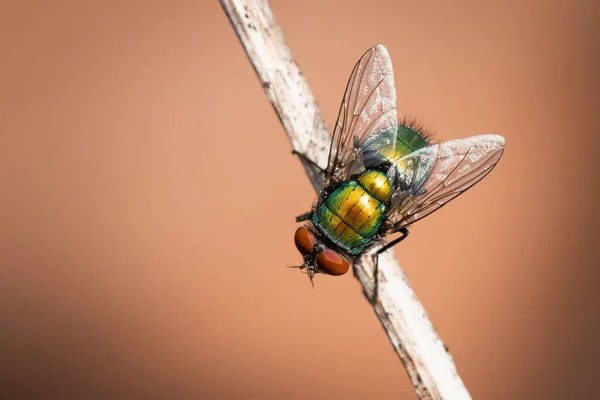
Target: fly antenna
(311, 274)
(300, 267)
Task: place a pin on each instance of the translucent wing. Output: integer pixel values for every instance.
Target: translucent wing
(368, 112)
(427, 179)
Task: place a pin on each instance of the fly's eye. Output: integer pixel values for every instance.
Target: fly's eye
(304, 240)
(332, 263)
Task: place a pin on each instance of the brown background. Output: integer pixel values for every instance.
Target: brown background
(148, 199)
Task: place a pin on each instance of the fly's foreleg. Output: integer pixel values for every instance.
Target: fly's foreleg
(374, 295)
(304, 217)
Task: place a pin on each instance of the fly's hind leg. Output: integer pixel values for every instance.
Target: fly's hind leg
(308, 161)
(374, 295)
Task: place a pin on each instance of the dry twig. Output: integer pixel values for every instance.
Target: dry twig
(429, 366)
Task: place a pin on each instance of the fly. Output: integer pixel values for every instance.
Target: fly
(382, 175)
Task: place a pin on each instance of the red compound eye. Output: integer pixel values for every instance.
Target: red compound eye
(304, 240)
(332, 263)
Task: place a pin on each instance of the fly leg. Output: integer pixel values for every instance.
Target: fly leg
(303, 217)
(394, 242)
(308, 161)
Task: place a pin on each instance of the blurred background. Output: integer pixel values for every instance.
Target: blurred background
(148, 197)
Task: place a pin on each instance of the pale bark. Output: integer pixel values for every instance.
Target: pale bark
(429, 365)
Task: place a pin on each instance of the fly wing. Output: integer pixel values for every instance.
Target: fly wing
(427, 179)
(368, 112)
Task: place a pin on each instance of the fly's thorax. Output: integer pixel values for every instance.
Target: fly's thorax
(351, 215)
(358, 209)
(337, 231)
(376, 183)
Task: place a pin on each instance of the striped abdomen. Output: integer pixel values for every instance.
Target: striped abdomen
(352, 214)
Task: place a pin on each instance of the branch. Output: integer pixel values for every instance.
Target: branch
(428, 364)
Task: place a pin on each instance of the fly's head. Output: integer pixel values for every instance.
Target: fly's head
(318, 258)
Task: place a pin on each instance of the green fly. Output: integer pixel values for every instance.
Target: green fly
(382, 175)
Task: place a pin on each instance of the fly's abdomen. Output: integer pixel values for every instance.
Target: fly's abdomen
(352, 214)
(408, 139)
